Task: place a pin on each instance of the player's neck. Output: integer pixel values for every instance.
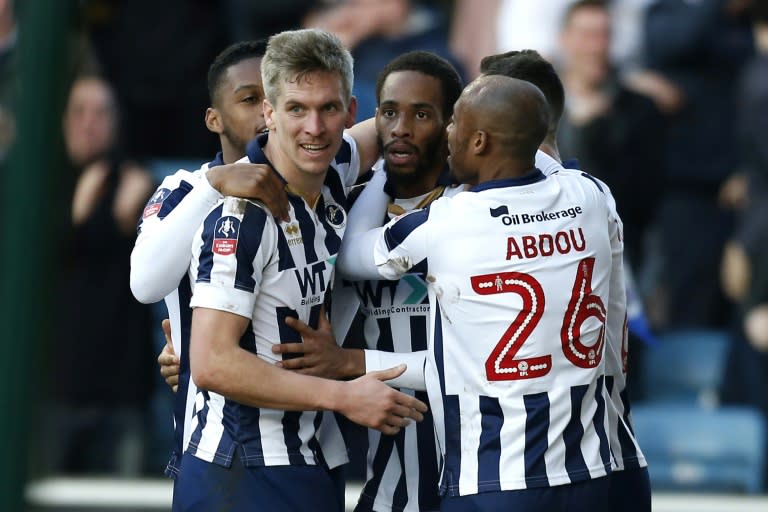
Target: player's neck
(305, 184)
(549, 146)
(231, 154)
(414, 187)
(503, 169)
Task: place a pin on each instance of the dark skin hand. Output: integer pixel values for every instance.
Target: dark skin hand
(320, 355)
(252, 181)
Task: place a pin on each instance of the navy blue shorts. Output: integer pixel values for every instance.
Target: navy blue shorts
(631, 490)
(205, 487)
(585, 496)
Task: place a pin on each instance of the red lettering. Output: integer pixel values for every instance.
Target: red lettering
(513, 249)
(562, 242)
(529, 246)
(576, 242)
(550, 244)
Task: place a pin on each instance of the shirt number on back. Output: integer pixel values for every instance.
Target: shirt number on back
(502, 364)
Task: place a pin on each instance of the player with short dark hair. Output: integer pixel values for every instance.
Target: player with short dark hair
(515, 366)
(630, 483)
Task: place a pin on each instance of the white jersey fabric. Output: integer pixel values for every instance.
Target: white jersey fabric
(624, 446)
(402, 470)
(159, 265)
(518, 275)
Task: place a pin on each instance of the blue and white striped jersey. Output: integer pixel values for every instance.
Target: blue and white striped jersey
(402, 470)
(518, 275)
(624, 446)
(246, 263)
(167, 197)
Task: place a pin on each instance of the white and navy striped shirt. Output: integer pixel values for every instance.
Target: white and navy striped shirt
(246, 263)
(518, 273)
(624, 446)
(167, 197)
(402, 470)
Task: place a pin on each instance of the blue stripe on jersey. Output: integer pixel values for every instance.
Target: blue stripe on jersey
(205, 262)
(335, 185)
(451, 416)
(573, 435)
(400, 494)
(314, 444)
(344, 155)
(421, 268)
(378, 465)
(428, 470)
(418, 329)
(287, 334)
(605, 450)
(593, 180)
(174, 198)
(184, 291)
(536, 444)
(385, 341)
(489, 451)
(395, 234)
(291, 437)
(201, 415)
(248, 241)
(284, 257)
(306, 227)
(628, 449)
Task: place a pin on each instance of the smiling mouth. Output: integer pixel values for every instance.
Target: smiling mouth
(314, 148)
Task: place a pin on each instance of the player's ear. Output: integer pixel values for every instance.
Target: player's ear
(479, 142)
(213, 120)
(351, 112)
(269, 115)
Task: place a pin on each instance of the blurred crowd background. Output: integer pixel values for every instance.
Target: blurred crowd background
(666, 101)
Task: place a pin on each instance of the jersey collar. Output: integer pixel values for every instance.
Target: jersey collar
(534, 176)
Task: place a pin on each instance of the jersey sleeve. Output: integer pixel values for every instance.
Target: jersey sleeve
(237, 241)
(348, 160)
(403, 244)
(546, 163)
(160, 256)
(355, 260)
(412, 377)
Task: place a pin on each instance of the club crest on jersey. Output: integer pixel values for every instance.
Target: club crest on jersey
(156, 202)
(335, 215)
(225, 235)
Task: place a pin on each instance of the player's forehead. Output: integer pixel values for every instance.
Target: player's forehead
(411, 87)
(312, 88)
(244, 72)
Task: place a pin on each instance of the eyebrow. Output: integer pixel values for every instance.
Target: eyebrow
(414, 105)
(247, 86)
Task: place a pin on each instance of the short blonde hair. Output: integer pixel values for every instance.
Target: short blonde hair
(293, 54)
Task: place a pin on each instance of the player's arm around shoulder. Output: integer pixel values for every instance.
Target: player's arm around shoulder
(160, 256)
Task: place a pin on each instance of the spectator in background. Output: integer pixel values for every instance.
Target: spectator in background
(102, 360)
(745, 262)
(249, 20)
(377, 31)
(700, 47)
(616, 134)
(154, 54)
(8, 80)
